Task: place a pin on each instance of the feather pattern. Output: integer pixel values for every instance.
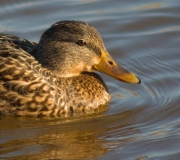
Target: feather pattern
(26, 88)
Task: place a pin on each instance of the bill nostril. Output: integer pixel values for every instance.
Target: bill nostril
(110, 62)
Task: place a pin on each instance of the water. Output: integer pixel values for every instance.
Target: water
(143, 121)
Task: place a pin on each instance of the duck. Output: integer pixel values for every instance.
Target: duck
(57, 76)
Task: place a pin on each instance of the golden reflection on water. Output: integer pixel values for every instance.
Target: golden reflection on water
(150, 91)
(151, 6)
(75, 144)
(67, 139)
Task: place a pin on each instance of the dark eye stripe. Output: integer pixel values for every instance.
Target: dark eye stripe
(90, 45)
(94, 48)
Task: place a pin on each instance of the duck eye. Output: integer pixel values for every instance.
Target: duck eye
(81, 42)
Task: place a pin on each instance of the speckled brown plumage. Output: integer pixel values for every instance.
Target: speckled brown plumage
(54, 77)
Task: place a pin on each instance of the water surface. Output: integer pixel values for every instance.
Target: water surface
(143, 121)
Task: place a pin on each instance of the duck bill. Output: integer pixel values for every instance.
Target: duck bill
(108, 66)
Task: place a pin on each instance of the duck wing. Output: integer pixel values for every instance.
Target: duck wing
(24, 44)
(23, 88)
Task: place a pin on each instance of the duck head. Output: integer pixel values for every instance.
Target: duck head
(69, 48)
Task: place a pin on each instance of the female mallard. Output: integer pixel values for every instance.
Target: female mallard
(56, 76)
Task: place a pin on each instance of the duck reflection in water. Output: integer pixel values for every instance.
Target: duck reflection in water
(65, 138)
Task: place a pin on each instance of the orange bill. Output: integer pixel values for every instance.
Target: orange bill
(108, 66)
